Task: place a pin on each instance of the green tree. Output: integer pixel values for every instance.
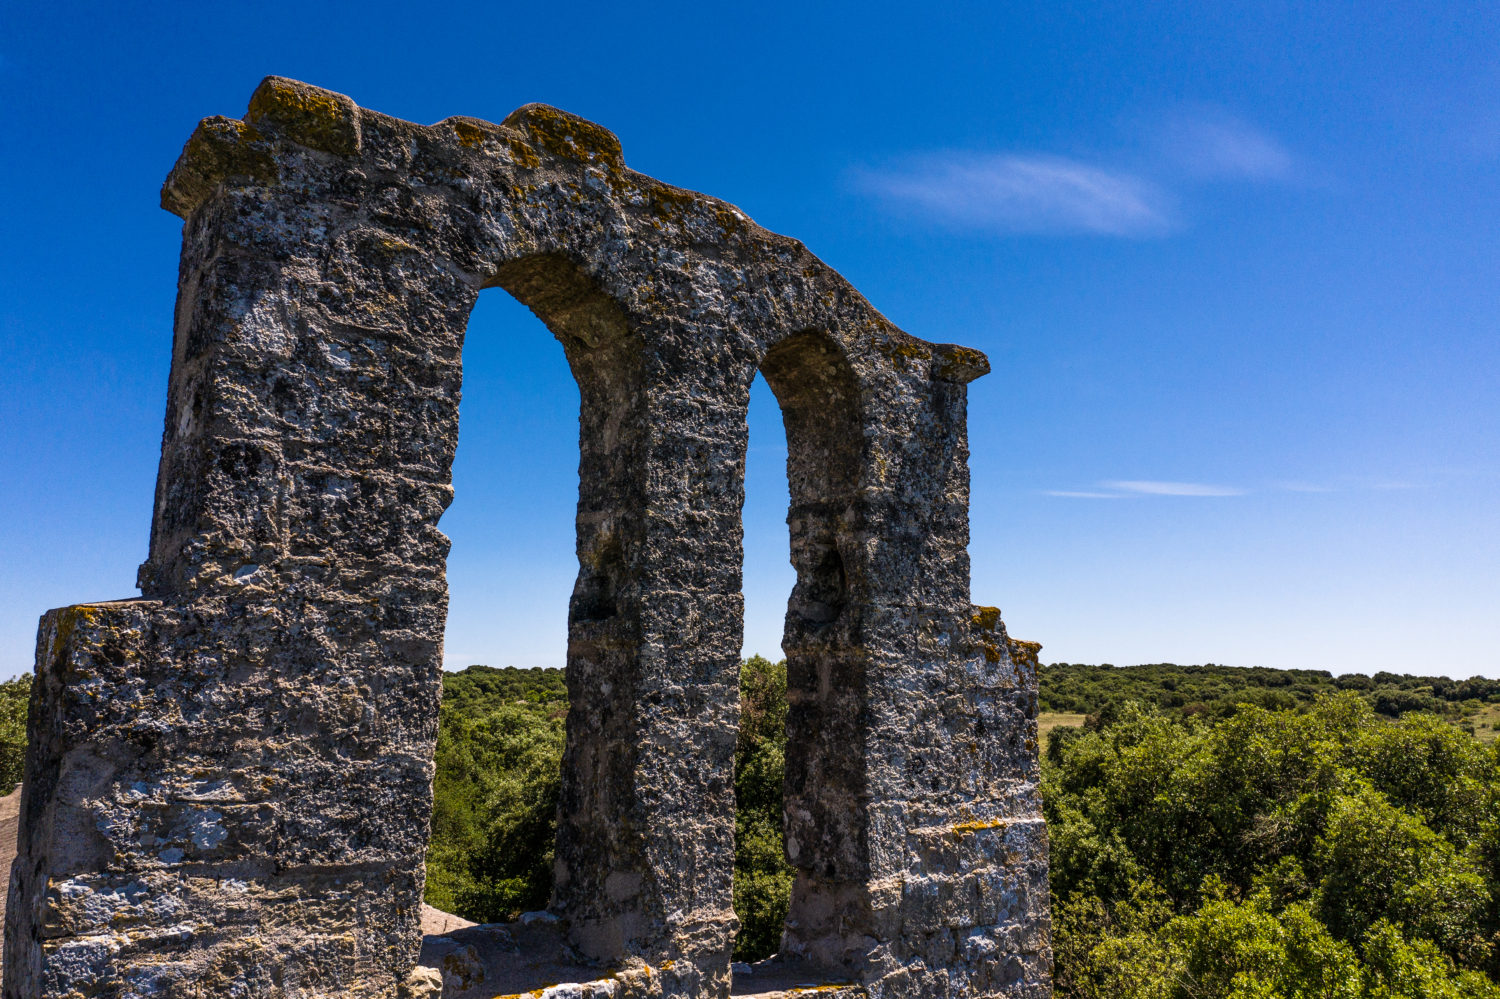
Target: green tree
(1322, 850)
(15, 697)
(762, 877)
(499, 756)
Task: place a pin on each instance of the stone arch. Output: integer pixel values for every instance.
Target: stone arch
(604, 626)
(819, 397)
(229, 781)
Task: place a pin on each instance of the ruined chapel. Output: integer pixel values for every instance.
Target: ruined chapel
(229, 780)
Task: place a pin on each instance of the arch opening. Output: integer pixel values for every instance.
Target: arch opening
(604, 362)
(762, 876)
(511, 527)
(823, 839)
(515, 487)
(596, 791)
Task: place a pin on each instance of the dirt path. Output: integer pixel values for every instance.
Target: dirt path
(10, 827)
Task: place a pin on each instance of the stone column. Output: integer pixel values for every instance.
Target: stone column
(827, 782)
(958, 848)
(646, 825)
(229, 789)
(912, 814)
(645, 844)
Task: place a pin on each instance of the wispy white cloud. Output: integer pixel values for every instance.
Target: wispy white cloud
(1128, 488)
(1210, 144)
(1303, 487)
(1125, 488)
(1146, 487)
(1171, 158)
(1023, 194)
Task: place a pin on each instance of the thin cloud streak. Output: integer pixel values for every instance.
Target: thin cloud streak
(1136, 488)
(1212, 145)
(1146, 487)
(1037, 193)
(1024, 194)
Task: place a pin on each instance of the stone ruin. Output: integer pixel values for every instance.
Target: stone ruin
(229, 780)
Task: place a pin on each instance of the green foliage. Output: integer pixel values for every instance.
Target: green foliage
(1218, 691)
(1324, 851)
(762, 877)
(1244, 950)
(1215, 849)
(15, 696)
(500, 740)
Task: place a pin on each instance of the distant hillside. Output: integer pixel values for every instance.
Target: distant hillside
(1073, 688)
(490, 685)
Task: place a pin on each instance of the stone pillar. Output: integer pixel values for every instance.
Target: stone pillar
(827, 781)
(913, 817)
(645, 845)
(230, 785)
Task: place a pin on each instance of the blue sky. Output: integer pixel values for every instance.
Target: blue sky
(1234, 266)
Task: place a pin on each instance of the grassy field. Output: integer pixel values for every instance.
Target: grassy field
(1049, 720)
(1487, 723)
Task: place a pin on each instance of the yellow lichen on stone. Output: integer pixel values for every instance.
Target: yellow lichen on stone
(986, 618)
(311, 116)
(568, 135)
(671, 203)
(524, 154)
(1024, 653)
(392, 245)
(978, 825)
(952, 363)
(219, 148)
(730, 220)
(906, 351)
(469, 134)
(957, 358)
(65, 623)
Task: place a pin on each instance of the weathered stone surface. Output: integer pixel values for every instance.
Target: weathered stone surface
(229, 784)
(531, 960)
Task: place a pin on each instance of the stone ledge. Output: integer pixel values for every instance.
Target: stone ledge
(530, 961)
